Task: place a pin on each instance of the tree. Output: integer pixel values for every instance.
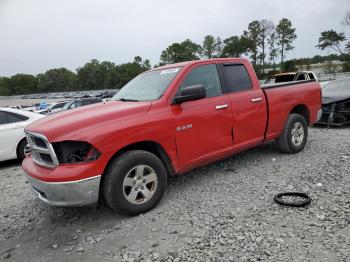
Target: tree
(266, 29)
(110, 75)
(180, 52)
(21, 84)
(95, 75)
(331, 39)
(308, 65)
(146, 63)
(273, 50)
(285, 36)
(211, 47)
(60, 79)
(138, 59)
(346, 66)
(235, 46)
(253, 33)
(289, 66)
(89, 76)
(128, 71)
(4, 86)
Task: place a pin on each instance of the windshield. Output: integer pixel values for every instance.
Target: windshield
(338, 86)
(147, 86)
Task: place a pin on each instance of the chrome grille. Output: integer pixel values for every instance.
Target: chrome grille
(43, 153)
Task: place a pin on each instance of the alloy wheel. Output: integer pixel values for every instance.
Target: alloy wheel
(140, 184)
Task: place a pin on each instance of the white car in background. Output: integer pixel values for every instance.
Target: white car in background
(13, 143)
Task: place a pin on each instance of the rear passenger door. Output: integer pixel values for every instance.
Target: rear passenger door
(248, 106)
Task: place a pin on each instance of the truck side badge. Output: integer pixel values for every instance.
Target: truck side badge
(181, 128)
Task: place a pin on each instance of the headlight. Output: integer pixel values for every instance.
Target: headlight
(75, 152)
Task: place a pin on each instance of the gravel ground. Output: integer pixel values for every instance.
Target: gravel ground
(221, 212)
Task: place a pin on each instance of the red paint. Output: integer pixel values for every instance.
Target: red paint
(114, 125)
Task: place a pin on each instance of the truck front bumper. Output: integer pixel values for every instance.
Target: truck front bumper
(67, 194)
(72, 193)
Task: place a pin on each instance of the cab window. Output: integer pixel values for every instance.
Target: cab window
(206, 75)
(237, 78)
(301, 77)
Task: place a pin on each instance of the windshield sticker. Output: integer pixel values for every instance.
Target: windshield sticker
(169, 71)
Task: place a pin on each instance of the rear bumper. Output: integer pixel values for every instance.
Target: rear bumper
(77, 190)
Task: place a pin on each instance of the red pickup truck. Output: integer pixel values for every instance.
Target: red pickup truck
(164, 122)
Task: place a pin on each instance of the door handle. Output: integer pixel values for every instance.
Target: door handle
(221, 107)
(256, 100)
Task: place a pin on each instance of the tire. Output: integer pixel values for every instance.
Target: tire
(278, 199)
(292, 141)
(22, 149)
(123, 189)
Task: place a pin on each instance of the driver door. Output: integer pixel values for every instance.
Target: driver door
(204, 126)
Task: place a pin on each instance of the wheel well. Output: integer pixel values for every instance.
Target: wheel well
(149, 146)
(302, 110)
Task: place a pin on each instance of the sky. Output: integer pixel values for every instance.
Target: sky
(37, 35)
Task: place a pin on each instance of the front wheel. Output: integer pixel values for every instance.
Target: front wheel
(135, 182)
(294, 135)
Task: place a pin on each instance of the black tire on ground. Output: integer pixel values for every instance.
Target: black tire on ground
(20, 149)
(285, 141)
(114, 190)
(278, 199)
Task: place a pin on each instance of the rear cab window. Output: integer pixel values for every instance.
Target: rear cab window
(236, 78)
(301, 77)
(311, 76)
(284, 78)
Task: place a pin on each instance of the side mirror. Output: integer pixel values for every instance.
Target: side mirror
(190, 93)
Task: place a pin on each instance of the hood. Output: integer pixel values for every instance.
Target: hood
(329, 97)
(79, 123)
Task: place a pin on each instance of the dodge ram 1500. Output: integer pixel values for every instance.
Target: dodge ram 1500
(164, 122)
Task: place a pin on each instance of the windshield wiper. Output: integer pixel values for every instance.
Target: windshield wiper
(128, 100)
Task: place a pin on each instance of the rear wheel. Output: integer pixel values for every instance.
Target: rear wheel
(294, 135)
(23, 149)
(135, 182)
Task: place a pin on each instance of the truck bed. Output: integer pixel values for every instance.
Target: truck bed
(267, 86)
(283, 98)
